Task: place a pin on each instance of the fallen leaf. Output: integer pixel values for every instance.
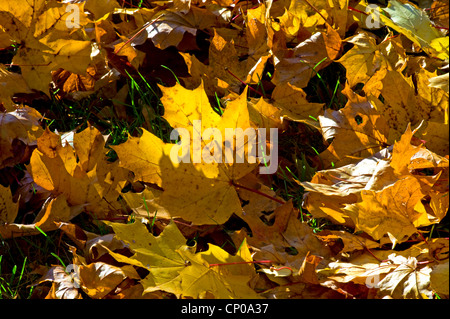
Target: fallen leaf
(101, 7)
(98, 279)
(366, 57)
(20, 130)
(8, 209)
(145, 203)
(172, 25)
(440, 82)
(288, 241)
(357, 131)
(298, 65)
(204, 182)
(294, 105)
(388, 212)
(64, 284)
(46, 44)
(307, 272)
(407, 157)
(410, 21)
(439, 279)
(175, 268)
(308, 16)
(225, 69)
(406, 281)
(11, 83)
(264, 115)
(402, 105)
(350, 242)
(92, 182)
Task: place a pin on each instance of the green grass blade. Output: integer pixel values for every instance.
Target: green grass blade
(176, 78)
(59, 259)
(41, 231)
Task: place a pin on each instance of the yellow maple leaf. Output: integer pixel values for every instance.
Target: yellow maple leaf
(80, 172)
(308, 16)
(366, 57)
(294, 105)
(11, 83)
(357, 131)
(407, 157)
(383, 194)
(411, 100)
(175, 267)
(225, 70)
(388, 212)
(208, 194)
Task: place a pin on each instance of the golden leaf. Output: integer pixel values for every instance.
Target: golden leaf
(175, 268)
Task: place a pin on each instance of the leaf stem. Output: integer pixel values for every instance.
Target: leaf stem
(356, 10)
(315, 9)
(281, 268)
(137, 33)
(242, 262)
(232, 74)
(345, 180)
(421, 236)
(370, 252)
(258, 192)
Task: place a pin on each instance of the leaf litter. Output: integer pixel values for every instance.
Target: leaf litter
(138, 225)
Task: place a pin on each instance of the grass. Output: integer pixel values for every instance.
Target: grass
(9, 287)
(20, 257)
